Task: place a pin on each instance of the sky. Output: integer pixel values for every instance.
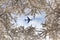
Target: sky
(35, 22)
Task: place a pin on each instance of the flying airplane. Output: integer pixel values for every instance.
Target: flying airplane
(28, 19)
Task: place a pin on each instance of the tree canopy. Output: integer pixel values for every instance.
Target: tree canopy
(51, 27)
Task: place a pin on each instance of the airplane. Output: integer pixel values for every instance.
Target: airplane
(28, 19)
